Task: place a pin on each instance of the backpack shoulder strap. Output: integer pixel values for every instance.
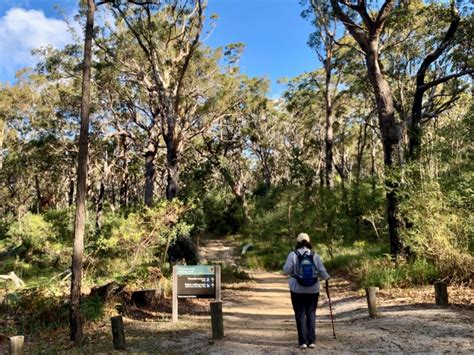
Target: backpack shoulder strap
(312, 254)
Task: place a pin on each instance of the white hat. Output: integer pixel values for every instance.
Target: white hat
(301, 237)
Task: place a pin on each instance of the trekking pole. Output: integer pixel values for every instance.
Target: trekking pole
(330, 309)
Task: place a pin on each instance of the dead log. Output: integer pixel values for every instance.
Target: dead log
(107, 291)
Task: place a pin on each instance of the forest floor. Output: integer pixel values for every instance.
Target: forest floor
(258, 319)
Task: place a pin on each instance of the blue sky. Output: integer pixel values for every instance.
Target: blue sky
(273, 31)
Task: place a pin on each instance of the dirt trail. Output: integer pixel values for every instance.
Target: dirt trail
(258, 319)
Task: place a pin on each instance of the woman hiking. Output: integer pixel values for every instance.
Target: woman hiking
(305, 270)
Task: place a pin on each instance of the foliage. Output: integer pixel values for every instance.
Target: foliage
(220, 213)
(242, 162)
(384, 273)
(285, 212)
(32, 231)
(438, 232)
(32, 242)
(140, 238)
(44, 307)
(233, 274)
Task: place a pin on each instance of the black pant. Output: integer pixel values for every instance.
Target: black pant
(304, 305)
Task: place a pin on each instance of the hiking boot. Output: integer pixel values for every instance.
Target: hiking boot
(303, 346)
(312, 345)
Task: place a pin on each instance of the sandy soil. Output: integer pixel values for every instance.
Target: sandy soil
(258, 319)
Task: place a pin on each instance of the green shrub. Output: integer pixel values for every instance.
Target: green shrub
(377, 273)
(268, 255)
(438, 232)
(233, 274)
(92, 308)
(32, 231)
(44, 307)
(128, 243)
(384, 273)
(62, 222)
(39, 308)
(33, 246)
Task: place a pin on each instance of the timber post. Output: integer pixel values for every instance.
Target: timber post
(16, 345)
(441, 293)
(371, 301)
(217, 320)
(118, 332)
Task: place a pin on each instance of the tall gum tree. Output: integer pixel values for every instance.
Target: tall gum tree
(324, 42)
(168, 36)
(75, 316)
(178, 81)
(368, 35)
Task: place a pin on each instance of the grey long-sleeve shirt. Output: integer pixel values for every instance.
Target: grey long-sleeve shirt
(290, 269)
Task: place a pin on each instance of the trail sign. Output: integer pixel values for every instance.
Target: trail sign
(195, 281)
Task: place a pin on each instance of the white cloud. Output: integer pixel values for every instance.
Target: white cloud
(23, 30)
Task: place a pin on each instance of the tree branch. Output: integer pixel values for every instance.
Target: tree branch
(444, 79)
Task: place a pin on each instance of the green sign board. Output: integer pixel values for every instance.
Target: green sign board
(195, 270)
(196, 281)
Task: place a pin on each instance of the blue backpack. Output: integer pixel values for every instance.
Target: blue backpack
(306, 269)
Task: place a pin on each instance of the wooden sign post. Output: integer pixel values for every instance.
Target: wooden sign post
(195, 281)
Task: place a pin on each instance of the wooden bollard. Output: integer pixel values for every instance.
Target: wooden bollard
(217, 320)
(16, 345)
(118, 332)
(371, 301)
(441, 293)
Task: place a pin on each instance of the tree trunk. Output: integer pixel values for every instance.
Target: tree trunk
(329, 120)
(373, 171)
(361, 142)
(124, 179)
(172, 187)
(149, 174)
(124, 190)
(391, 140)
(414, 125)
(75, 317)
(99, 207)
(267, 173)
(71, 193)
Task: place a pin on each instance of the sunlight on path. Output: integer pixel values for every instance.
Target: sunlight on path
(259, 319)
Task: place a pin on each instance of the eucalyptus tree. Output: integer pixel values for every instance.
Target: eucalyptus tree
(324, 42)
(305, 135)
(427, 50)
(17, 107)
(175, 72)
(75, 316)
(367, 33)
(261, 129)
(232, 146)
